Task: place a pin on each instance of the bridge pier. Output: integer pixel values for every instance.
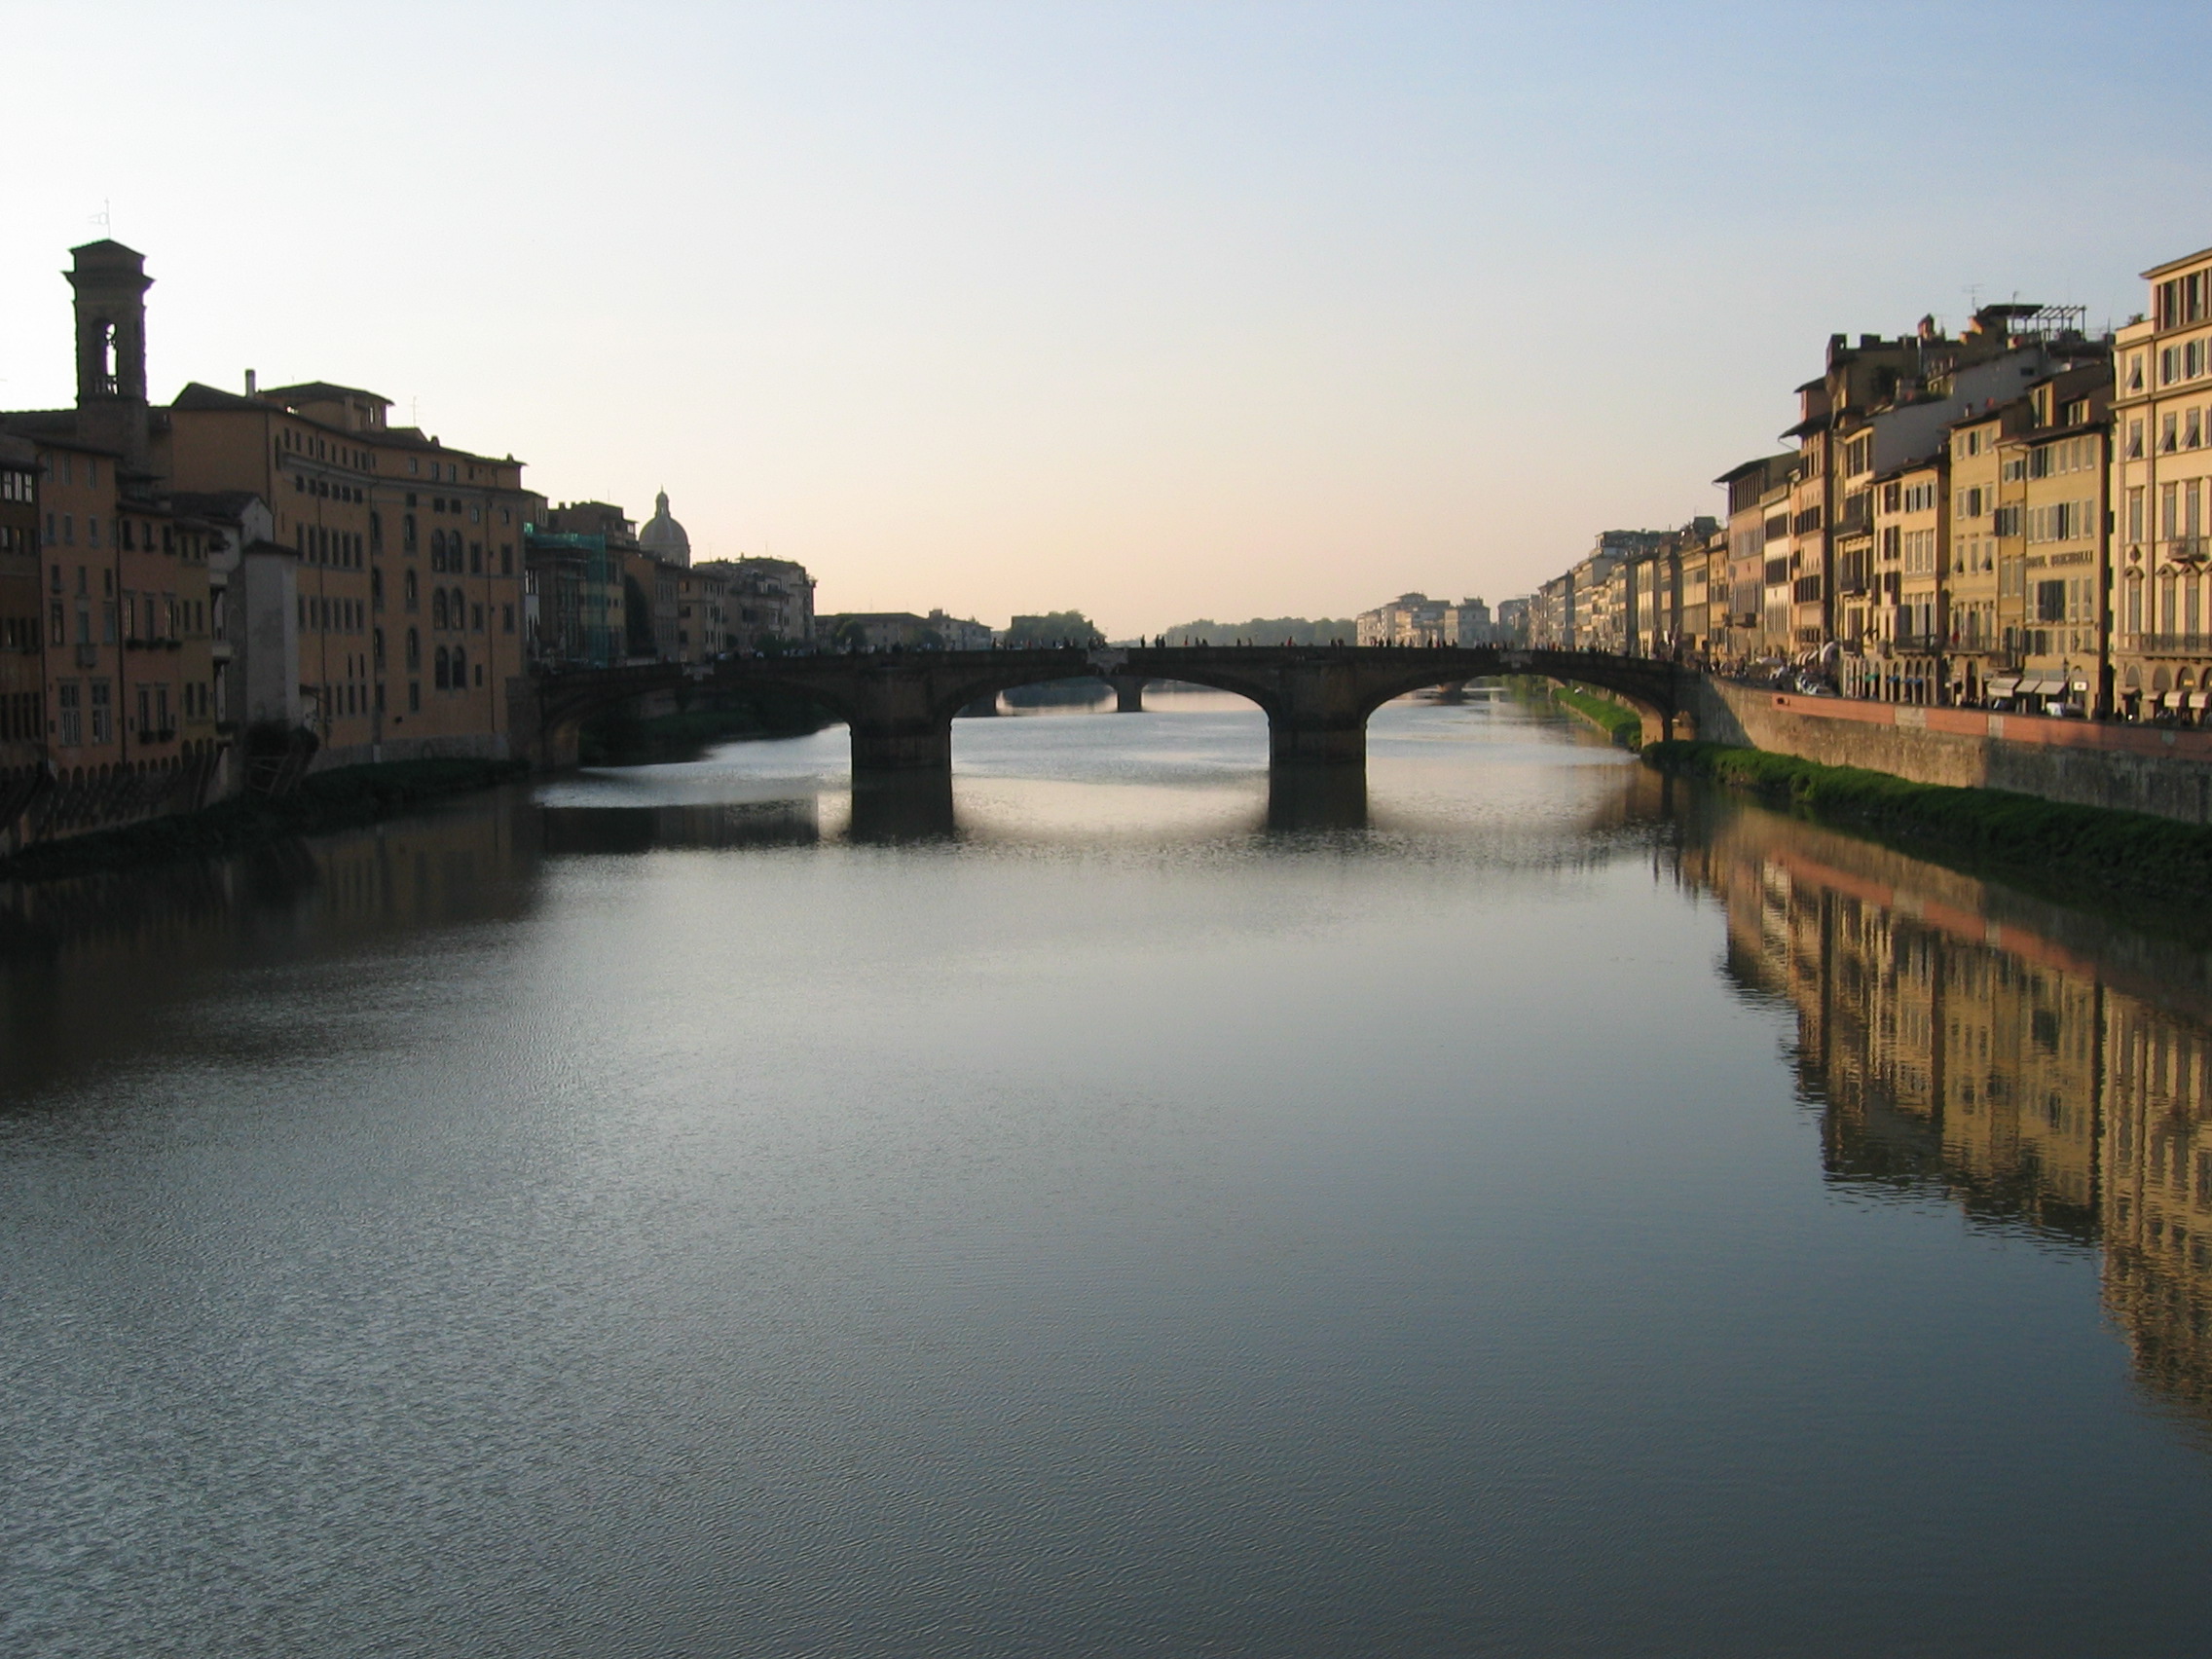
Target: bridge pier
(1299, 743)
(901, 745)
(1129, 693)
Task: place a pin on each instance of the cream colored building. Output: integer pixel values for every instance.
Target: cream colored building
(2057, 463)
(2162, 488)
(1982, 652)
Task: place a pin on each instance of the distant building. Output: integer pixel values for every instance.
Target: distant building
(881, 630)
(663, 538)
(766, 603)
(1410, 619)
(574, 601)
(1467, 623)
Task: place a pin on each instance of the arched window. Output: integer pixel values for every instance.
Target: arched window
(376, 532)
(376, 590)
(375, 645)
(437, 549)
(407, 531)
(456, 609)
(459, 669)
(412, 596)
(413, 651)
(440, 677)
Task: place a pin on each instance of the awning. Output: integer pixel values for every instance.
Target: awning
(2172, 699)
(2197, 699)
(2001, 687)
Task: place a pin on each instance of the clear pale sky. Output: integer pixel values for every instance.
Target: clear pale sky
(1154, 309)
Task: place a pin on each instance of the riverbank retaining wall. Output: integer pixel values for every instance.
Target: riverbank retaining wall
(2160, 770)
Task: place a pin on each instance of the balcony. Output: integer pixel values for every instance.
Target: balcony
(2173, 645)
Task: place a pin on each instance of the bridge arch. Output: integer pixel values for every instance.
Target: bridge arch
(1653, 696)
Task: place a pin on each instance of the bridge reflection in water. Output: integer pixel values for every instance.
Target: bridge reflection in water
(896, 809)
(2046, 1072)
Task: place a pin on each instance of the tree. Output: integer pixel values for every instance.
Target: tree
(1053, 628)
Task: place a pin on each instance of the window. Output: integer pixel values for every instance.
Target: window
(443, 676)
(376, 590)
(476, 618)
(2134, 440)
(103, 710)
(69, 705)
(410, 596)
(460, 670)
(413, 651)
(407, 533)
(438, 608)
(506, 619)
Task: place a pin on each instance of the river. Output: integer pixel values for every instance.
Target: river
(686, 1211)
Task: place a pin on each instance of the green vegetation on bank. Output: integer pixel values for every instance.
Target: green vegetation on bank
(343, 799)
(1617, 721)
(2130, 856)
(622, 737)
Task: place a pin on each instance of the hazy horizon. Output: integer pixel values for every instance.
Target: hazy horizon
(1156, 311)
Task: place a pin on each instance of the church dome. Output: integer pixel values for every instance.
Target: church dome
(662, 537)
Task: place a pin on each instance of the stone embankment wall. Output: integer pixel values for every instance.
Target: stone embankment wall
(2133, 769)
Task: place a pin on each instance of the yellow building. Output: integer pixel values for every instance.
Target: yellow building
(2161, 482)
(1910, 624)
(1974, 580)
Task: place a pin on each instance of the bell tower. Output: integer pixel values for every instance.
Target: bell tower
(111, 284)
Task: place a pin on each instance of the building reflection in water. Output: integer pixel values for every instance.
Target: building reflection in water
(2043, 1070)
(93, 969)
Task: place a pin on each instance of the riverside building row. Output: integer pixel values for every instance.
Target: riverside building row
(220, 592)
(2014, 517)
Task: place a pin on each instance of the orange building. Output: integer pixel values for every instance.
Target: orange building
(403, 578)
(22, 660)
(410, 571)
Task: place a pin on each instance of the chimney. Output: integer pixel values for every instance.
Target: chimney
(249, 383)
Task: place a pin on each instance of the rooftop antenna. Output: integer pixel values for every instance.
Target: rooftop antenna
(105, 217)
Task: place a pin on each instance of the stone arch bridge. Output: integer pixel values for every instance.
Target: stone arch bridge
(899, 705)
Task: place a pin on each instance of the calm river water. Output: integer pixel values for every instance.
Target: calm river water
(684, 1212)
